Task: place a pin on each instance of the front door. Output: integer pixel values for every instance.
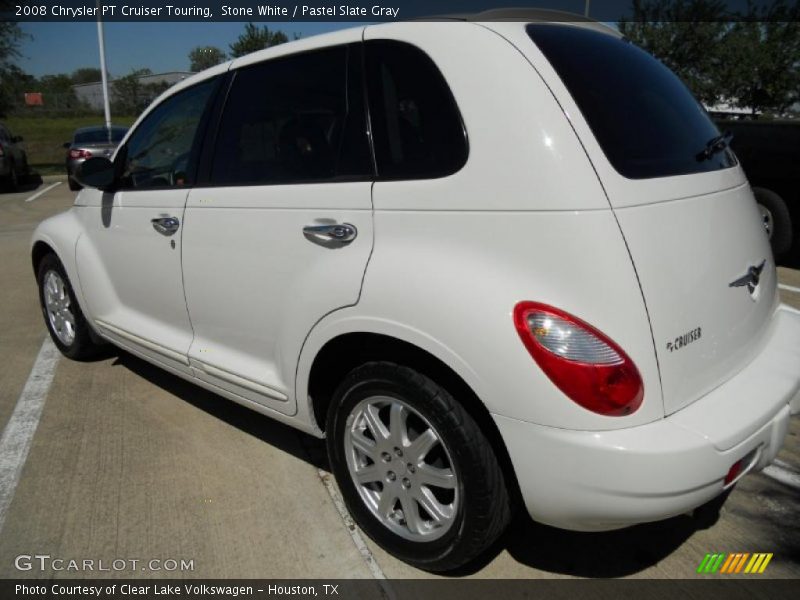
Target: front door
(129, 261)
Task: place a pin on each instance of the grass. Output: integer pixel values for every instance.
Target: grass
(45, 136)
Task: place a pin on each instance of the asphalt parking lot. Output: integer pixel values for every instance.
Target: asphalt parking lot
(131, 463)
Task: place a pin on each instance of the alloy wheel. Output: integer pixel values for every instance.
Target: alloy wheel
(59, 308)
(401, 468)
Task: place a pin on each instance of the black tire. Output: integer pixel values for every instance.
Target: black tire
(73, 185)
(82, 346)
(12, 181)
(484, 507)
(781, 236)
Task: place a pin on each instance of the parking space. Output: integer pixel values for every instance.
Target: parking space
(131, 463)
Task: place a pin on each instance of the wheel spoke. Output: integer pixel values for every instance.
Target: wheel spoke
(376, 426)
(411, 513)
(436, 477)
(398, 415)
(439, 512)
(422, 445)
(364, 445)
(368, 474)
(386, 501)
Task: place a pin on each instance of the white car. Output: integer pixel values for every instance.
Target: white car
(488, 261)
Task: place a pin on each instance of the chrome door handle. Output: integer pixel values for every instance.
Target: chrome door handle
(343, 233)
(166, 225)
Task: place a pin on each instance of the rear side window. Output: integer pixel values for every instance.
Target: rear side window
(293, 120)
(416, 126)
(644, 118)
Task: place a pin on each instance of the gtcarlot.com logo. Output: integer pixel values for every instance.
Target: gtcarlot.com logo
(736, 562)
(45, 562)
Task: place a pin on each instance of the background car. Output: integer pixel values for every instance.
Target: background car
(13, 159)
(770, 155)
(87, 142)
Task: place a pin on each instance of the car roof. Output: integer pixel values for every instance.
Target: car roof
(355, 34)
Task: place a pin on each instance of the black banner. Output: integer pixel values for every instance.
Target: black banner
(370, 10)
(731, 588)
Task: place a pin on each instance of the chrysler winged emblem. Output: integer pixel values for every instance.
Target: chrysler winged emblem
(750, 279)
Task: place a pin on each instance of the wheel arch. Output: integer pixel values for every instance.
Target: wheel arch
(39, 250)
(342, 353)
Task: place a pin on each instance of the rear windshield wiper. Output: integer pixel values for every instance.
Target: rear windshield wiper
(715, 145)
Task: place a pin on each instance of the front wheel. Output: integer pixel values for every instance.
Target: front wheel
(416, 472)
(62, 315)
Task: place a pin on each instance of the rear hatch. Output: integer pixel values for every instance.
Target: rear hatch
(682, 203)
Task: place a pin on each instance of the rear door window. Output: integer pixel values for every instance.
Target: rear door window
(416, 126)
(298, 119)
(643, 116)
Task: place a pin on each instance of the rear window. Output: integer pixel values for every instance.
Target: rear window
(644, 118)
(99, 136)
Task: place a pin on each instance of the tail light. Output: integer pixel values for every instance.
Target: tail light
(78, 153)
(582, 362)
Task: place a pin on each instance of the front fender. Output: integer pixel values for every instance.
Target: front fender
(61, 233)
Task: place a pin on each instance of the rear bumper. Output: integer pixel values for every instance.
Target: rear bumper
(5, 166)
(602, 480)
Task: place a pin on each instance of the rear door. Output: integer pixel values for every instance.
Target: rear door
(682, 202)
(281, 231)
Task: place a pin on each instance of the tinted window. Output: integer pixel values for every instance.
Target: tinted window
(100, 136)
(294, 119)
(417, 128)
(161, 151)
(643, 116)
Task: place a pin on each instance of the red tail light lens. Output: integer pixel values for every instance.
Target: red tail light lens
(582, 362)
(80, 154)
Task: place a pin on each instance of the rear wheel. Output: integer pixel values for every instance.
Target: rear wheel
(415, 470)
(62, 315)
(73, 185)
(776, 218)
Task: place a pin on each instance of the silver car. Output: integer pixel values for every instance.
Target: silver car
(88, 142)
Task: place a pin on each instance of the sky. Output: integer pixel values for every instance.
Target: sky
(63, 47)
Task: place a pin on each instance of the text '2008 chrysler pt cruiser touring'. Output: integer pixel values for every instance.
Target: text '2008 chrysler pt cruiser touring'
(487, 261)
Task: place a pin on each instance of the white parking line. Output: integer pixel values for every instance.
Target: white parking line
(43, 192)
(361, 545)
(791, 309)
(779, 473)
(18, 433)
(789, 288)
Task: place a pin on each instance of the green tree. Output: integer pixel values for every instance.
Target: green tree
(750, 60)
(86, 75)
(14, 82)
(686, 36)
(204, 57)
(58, 92)
(256, 38)
(10, 38)
(129, 94)
(762, 70)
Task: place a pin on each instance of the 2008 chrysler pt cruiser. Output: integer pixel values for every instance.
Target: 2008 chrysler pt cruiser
(487, 261)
